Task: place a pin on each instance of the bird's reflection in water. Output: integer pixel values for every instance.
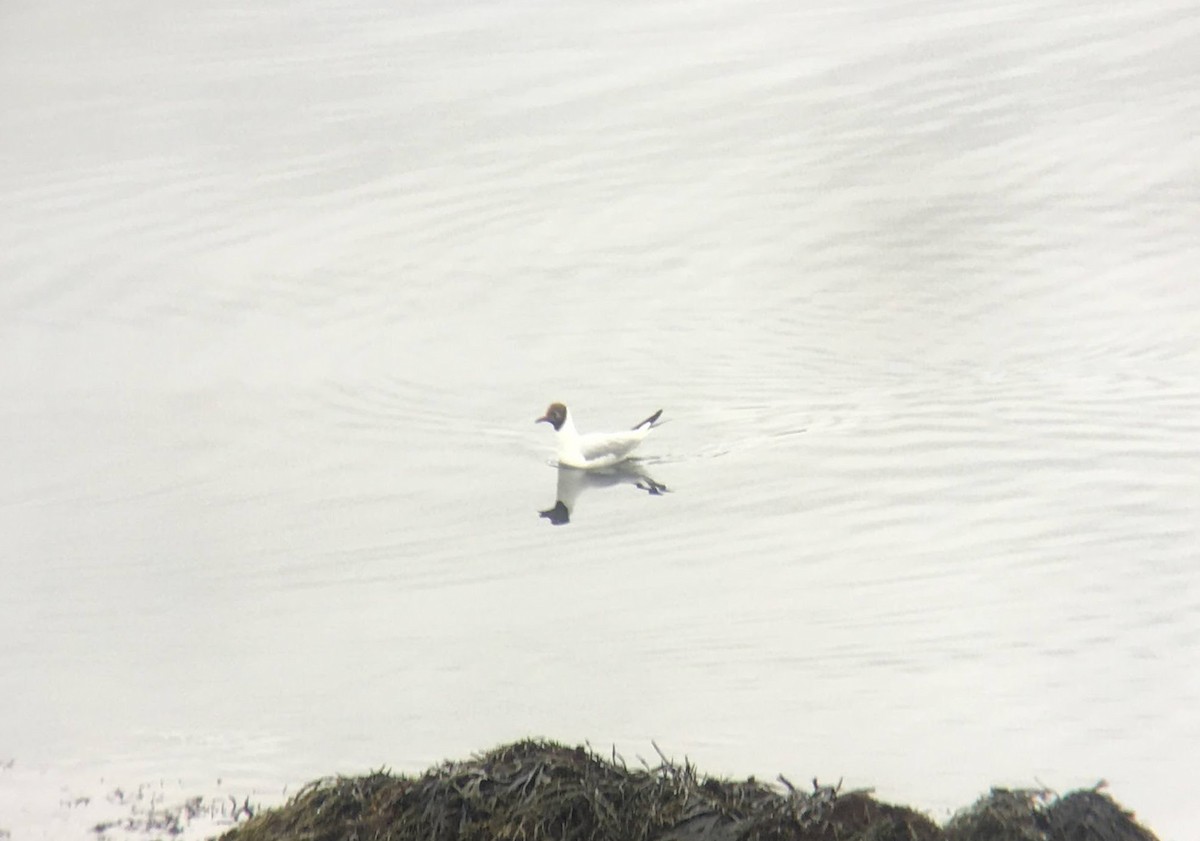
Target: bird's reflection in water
(572, 482)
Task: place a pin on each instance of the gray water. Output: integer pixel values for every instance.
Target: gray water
(283, 288)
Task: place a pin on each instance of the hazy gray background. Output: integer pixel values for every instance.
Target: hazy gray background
(283, 287)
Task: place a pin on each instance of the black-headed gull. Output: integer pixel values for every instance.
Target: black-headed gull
(597, 449)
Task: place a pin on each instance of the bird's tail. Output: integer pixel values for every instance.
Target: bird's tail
(650, 421)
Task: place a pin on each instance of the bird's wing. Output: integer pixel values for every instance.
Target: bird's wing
(616, 445)
(650, 421)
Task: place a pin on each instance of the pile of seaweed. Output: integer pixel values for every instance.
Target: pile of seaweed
(543, 790)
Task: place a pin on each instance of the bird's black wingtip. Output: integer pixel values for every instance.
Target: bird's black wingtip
(650, 421)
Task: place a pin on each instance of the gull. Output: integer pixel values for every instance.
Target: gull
(598, 449)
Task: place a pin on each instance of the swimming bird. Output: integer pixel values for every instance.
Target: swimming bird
(598, 449)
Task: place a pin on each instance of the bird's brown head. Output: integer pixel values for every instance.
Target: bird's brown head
(556, 415)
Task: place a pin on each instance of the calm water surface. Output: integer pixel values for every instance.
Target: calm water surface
(283, 288)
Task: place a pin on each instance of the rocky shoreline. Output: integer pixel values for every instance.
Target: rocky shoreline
(544, 790)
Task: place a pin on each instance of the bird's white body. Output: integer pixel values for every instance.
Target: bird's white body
(597, 449)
